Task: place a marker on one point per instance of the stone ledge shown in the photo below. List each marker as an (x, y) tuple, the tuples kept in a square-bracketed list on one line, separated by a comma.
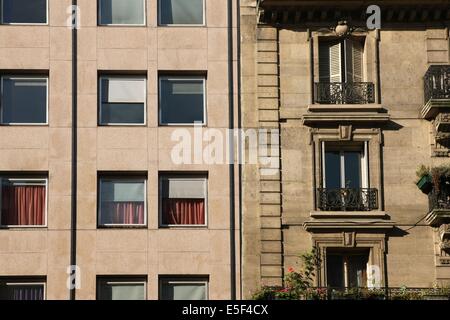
[(433, 107), (339, 117), (345, 107), (349, 224), (348, 214), (437, 217)]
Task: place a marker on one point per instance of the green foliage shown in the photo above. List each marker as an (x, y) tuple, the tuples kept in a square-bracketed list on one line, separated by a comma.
[(439, 175), (422, 171), (298, 284)]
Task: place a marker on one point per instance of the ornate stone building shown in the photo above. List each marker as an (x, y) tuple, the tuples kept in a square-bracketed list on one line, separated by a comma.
[(358, 111)]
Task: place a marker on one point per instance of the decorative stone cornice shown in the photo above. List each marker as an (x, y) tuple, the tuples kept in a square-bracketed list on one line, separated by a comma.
[(312, 12)]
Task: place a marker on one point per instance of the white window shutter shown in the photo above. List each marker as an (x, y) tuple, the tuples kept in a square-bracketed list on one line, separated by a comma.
[(354, 60), (358, 53), (126, 90), (336, 62), (184, 188)]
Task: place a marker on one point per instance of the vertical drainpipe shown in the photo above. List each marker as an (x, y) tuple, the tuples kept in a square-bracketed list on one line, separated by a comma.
[(73, 221), (231, 152), (240, 146)]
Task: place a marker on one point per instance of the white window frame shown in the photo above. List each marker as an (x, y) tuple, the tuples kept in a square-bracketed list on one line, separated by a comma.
[(119, 282), (27, 77), (46, 202), (160, 24), (103, 77), (100, 24), (364, 162), (175, 78), (99, 211), (160, 198), (183, 280), (22, 23), (44, 284)]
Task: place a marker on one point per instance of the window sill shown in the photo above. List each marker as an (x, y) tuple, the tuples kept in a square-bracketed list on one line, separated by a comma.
[(345, 107), (183, 227), (103, 227), (22, 228), (348, 214)]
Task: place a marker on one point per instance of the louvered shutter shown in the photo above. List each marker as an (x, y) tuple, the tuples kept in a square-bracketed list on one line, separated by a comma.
[(353, 61), (335, 62), (330, 66), (357, 61)]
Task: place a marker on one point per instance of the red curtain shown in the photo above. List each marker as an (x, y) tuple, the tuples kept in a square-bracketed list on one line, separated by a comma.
[(124, 212), (184, 211), (23, 205)]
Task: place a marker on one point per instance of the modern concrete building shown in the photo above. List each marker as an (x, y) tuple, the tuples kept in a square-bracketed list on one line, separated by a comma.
[(106, 103), (358, 108)]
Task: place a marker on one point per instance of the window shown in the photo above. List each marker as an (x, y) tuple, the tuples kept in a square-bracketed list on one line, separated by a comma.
[(341, 61), (345, 178), (183, 200), (23, 100), (345, 166), (120, 12), (23, 11), (23, 202), (182, 100), (347, 269), (122, 100), (22, 289), (183, 289), (181, 12), (126, 288), (122, 201)]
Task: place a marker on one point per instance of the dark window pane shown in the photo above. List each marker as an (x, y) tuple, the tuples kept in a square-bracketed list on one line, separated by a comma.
[(24, 100), (22, 292), (24, 11), (333, 169), (335, 271), (182, 101), (126, 113), (352, 170), (357, 270), (181, 11), (122, 12)]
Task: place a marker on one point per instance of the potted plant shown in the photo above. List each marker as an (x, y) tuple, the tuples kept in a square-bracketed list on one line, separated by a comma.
[(425, 182)]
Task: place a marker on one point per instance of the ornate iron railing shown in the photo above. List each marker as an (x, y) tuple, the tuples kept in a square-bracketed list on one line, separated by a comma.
[(437, 82), (347, 199), (328, 293), (439, 199), (344, 93)]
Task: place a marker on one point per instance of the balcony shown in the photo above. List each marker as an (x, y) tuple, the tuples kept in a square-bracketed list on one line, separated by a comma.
[(344, 93), (436, 90), (347, 199), (439, 207)]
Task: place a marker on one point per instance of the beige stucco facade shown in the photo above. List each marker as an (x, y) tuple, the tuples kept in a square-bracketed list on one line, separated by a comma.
[(146, 50), (280, 64)]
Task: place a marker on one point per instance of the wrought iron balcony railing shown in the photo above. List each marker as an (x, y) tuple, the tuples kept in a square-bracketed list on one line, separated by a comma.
[(344, 92), (437, 83), (382, 293), (347, 199), (439, 200)]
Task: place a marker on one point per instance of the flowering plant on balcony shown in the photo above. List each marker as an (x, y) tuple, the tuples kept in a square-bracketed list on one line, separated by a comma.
[(298, 284)]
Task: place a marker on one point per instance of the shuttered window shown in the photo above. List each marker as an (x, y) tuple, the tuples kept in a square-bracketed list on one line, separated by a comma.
[(341, 61)]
